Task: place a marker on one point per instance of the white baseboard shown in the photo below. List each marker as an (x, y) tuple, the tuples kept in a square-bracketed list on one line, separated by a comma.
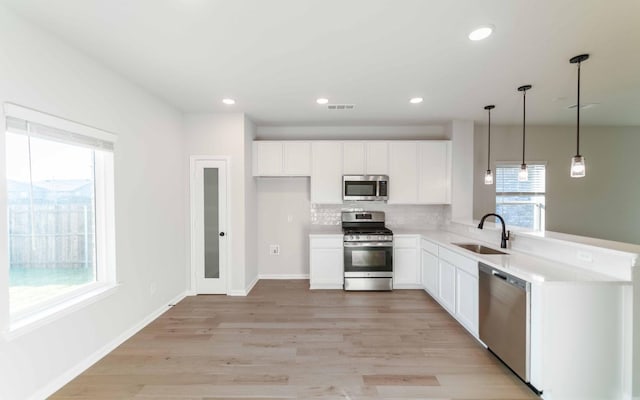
[(252, 284), (79, 368), (284, 276), (245, 291), (408, 286), (325, 286)]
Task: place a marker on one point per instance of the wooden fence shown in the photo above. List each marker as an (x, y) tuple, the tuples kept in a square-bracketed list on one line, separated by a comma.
[(51, 235)]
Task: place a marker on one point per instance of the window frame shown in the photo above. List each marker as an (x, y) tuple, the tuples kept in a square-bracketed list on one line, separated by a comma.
[(105, 282), (542, 208)]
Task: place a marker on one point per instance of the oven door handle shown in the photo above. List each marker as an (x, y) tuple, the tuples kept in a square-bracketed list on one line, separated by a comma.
[(368, 244)]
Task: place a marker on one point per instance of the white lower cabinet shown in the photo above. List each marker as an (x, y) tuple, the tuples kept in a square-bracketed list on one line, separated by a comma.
[(452, 280), (465, 304), (326, 262), (467, 300), (447, 285), (406, 262), (429, 261)]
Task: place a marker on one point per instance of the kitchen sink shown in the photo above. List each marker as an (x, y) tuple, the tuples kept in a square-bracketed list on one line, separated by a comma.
[(478, 248)]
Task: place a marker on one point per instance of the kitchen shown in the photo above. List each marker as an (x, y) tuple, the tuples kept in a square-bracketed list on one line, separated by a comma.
[(156, 270)]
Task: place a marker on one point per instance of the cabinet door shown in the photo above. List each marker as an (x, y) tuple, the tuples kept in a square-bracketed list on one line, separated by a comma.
[(377, 158), (447, 286), (434, 172), (268, 158), (430, 273), (326, 270), (297, 158), (326, 172), (467, 300), (353, 160), (406, 271), (403, 172)]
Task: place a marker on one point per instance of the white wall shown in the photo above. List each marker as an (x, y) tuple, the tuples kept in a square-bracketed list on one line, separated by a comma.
[(462, 170), (283, 219), (250, 206), (40, 72), (355, 132), (603, 204), (224, 135)]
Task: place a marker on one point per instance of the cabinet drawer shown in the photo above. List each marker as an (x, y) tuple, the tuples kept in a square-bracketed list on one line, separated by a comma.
[(409, 241), (329, 242), (466, 264), (429, 246)]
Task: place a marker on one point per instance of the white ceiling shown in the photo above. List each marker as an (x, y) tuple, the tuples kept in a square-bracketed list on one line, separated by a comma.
[(275, 57)]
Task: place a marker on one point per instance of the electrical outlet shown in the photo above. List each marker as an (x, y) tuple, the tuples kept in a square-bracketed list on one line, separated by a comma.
[(274, 250)]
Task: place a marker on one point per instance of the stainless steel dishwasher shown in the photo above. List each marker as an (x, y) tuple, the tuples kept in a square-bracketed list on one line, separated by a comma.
[(504, 318)]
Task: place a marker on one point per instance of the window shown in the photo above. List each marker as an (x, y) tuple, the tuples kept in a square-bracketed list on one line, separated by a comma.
[(59, 177), (521, 203)]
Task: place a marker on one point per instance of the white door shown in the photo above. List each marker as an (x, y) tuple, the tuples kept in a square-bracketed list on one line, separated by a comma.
[(209, 219)]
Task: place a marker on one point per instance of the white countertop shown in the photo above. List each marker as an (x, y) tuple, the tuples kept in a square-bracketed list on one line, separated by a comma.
[(325, 230), (524, 266)]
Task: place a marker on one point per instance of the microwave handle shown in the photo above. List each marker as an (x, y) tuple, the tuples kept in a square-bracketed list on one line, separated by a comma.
[(379, 184)]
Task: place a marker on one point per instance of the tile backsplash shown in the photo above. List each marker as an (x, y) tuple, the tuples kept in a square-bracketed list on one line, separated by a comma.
[(397, 216)]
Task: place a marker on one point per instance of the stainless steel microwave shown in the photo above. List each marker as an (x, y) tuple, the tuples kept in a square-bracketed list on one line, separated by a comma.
[(365, 187)]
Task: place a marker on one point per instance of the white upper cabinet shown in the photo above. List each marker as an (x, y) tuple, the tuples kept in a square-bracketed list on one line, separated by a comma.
[(434, 171), (281, 158), (297, 158), (377, 156), (326, 172), (420, 172), (354, 158), (403, 172), (267, 158), (366, 158)]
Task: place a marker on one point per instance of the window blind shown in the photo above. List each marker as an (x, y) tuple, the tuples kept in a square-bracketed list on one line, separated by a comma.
[(507, 180), (29, 122)]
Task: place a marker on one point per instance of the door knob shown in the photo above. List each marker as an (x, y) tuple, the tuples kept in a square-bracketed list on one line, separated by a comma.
[(221, 233)]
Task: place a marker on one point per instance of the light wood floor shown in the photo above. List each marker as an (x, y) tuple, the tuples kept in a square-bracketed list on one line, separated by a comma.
[(284, 341)]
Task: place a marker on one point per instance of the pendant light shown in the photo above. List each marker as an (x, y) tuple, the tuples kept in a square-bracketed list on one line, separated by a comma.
[(523, 174), (488, 176), (578, 167)]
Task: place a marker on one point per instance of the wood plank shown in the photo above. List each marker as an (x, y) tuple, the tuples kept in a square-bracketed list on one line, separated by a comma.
[(286, 342), (401, 380)]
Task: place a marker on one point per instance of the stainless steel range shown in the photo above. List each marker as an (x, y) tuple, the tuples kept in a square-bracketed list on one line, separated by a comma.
[(368, 251)]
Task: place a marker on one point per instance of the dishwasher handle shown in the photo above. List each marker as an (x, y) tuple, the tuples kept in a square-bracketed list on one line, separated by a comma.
[(507, 278), (498, 275)]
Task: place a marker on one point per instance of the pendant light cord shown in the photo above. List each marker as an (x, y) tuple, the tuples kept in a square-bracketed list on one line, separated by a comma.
[(489, 144), (524, 117), (578, 115)]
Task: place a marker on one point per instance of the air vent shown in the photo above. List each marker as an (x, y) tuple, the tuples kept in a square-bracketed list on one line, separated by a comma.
[(583, 106), (341, 106)]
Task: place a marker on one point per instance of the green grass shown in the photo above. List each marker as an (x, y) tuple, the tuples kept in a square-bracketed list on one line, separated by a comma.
[(50, 276)]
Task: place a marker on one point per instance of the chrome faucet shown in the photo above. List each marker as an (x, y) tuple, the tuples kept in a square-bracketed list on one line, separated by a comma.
[(505, 233)]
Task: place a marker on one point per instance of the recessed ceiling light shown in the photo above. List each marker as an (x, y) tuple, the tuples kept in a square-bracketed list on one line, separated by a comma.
[(229, 102), (480, 33), (322, 100), (416, 100)]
